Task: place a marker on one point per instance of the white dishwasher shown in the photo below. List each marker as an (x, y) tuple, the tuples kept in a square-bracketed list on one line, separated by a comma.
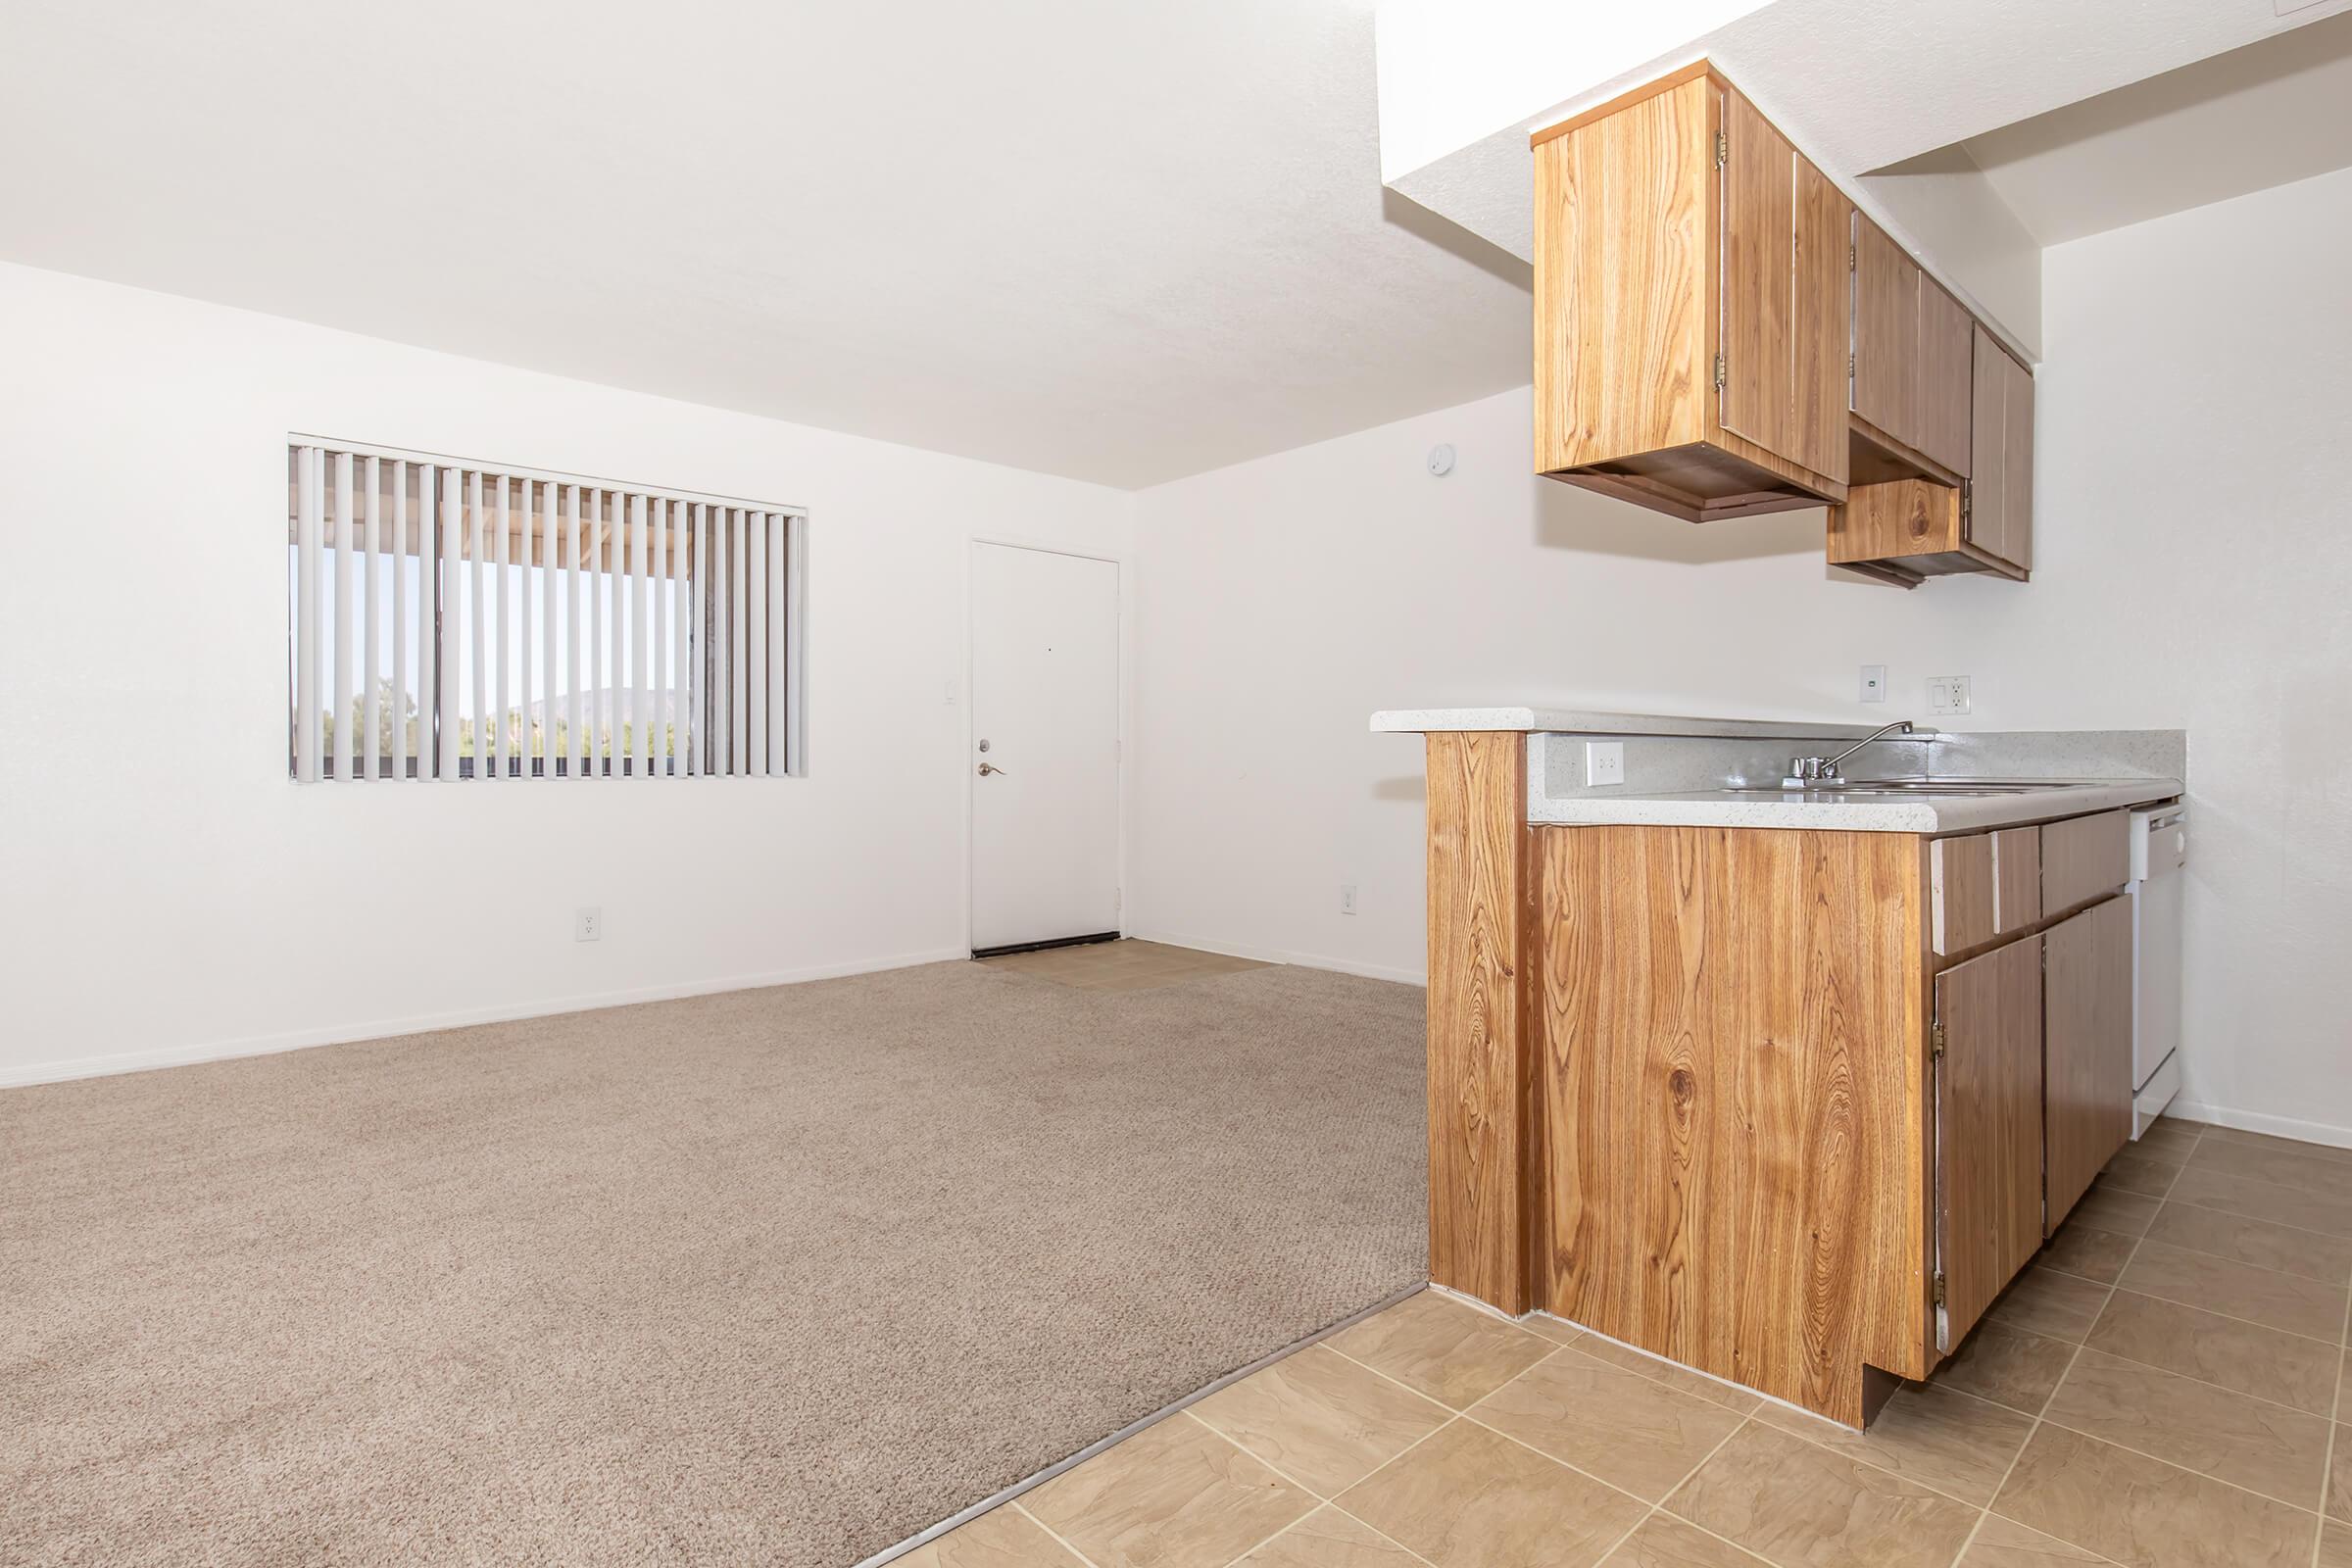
[(2159, 874)]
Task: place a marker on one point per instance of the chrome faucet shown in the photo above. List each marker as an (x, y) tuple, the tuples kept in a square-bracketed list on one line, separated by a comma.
[(1804, 773)]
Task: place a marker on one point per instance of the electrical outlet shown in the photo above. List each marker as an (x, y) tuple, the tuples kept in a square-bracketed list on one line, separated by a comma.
[(1347, 898), (1874, 684), (1947, 693), (1604, 762), (588, 925)]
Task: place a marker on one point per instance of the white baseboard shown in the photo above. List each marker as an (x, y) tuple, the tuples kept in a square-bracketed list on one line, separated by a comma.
[(47, 1072), (2255, 1121), (1265, 955)]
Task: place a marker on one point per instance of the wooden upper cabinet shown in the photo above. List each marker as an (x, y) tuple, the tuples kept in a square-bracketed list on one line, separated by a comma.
[(1989, 1085), (2086, 979), (2000, 513), (1947, 371), (1689, 317), (1885, 333)]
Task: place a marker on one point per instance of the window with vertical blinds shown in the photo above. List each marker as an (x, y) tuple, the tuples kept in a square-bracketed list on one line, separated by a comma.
[(461, 621)]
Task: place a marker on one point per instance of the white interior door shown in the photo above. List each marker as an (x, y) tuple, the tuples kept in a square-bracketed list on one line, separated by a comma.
[(1046, 745)]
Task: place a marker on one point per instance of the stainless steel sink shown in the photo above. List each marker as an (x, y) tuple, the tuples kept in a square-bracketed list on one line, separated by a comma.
[(1909, 786)]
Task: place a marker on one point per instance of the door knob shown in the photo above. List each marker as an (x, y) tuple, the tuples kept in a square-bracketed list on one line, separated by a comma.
[(987, 768)]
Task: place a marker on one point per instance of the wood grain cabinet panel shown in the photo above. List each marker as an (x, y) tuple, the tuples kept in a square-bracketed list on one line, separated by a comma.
[(2087, 980), (2084, 858), (1759, 229), (1886, 281), (1947, 376), (1732, 1059), (1999, 515), (1478, 1083), (1689, 306), (1961, 894), (2016, 878), (1989, 1127)]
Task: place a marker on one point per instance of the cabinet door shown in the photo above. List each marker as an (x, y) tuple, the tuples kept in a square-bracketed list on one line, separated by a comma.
[(1947, 376), (1988, 435), (2087, 988), (1885, 388), (2017, 463), (1987, 1128), (1759, 226), (1783, 297)]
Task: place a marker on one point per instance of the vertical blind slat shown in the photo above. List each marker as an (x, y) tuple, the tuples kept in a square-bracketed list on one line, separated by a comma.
[(681, 678), (663, 705), (596, 632), (400, 619), (527, 634), (720, 678), (479, 603), (776, 625), (640, 703), (451, 659), (500, 641), (339, 699), (306, 615), (574, 626), (371, 583), (428, 627), (756, 644), (547, 629), (739, 740)]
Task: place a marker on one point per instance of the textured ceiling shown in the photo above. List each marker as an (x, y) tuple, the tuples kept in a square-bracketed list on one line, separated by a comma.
[(1122, 242), (2273, 112)]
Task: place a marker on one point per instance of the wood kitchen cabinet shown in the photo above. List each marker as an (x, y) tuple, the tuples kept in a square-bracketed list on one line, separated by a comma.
[(1787, 1106), (1909, 529), (2087, 983), (1911, 368), (1690, 306), (1987, 1046)]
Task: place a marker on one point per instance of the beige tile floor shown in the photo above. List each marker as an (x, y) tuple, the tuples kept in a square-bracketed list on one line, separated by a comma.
[(2160, 1390), (1122, 965)]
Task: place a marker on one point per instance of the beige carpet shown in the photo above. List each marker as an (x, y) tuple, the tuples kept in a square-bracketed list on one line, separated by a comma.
[(776, 1276)]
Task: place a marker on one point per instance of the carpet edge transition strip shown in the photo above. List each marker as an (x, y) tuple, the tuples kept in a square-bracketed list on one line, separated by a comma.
[(1031, 1483)]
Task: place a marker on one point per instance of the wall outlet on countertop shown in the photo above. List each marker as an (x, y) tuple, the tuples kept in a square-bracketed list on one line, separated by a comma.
[(1947, 693)]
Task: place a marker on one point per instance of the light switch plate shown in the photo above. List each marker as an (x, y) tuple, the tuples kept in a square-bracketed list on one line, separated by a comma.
[(1604, 762), (1947, 693)]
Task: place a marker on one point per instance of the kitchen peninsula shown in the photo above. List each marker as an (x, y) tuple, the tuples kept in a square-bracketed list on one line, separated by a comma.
[(1784, 1083)]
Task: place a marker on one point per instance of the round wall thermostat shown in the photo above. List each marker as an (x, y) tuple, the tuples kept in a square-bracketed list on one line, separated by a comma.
[(1441, 460)]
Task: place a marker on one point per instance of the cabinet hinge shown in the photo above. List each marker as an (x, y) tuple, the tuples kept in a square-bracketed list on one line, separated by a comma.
[(1849, 366), (1719, 373), (1936, 1040), (1939, 1287), (1853, 260), (1967, 502), (1723, 148)]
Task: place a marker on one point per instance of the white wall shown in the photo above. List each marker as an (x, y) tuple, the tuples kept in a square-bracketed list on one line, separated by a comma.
[(167, 894), (2192, 570)]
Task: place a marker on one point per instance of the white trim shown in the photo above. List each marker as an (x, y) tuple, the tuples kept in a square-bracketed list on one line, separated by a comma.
[(49, 1072), (2255, 1121), (1304, 960), (1126, 672)]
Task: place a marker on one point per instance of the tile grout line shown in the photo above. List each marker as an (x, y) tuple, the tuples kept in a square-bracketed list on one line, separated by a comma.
[(1659, 1506), (1015, 1505), (2335, 1414), (2200, 1252), (2208, 1382), (1333, 1502)]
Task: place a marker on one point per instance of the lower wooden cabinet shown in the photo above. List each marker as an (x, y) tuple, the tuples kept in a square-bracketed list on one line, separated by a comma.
[(1987, 1047), (2086, 1050), (1747, 1098)]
